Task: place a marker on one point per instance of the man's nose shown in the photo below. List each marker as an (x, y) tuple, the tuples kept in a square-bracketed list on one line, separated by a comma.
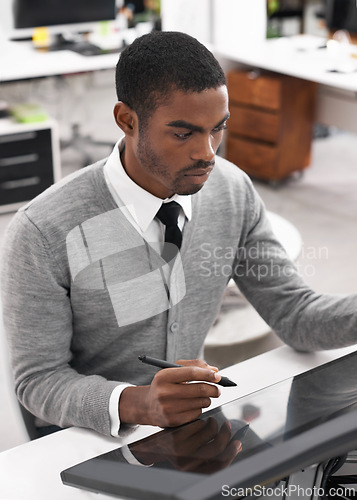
[(204, 149)]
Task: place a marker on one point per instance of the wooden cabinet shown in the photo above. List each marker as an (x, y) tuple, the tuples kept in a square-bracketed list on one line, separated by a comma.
[(271, 124), (29, 161)]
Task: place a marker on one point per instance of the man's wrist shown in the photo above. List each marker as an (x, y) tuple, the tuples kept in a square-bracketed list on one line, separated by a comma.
[(132, 405)]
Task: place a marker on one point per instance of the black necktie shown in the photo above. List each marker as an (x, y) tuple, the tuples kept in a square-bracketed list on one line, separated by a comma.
[(168, 215)]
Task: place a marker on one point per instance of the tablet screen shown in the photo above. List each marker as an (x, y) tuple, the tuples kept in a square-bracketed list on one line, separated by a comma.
[(246, 426)]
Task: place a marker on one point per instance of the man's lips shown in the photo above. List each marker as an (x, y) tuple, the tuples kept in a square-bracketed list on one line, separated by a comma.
[(199, 172), (198, 176)]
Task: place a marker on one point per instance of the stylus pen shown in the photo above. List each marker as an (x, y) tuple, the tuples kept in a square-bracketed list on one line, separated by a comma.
[(161, 363)]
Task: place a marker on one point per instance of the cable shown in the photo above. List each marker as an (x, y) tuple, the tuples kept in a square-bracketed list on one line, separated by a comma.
[(332, 466)]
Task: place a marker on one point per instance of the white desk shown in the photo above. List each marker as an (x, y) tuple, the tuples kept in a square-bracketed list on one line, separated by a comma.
[(20, 61), (295, 56), (32, 471), (300, 56)]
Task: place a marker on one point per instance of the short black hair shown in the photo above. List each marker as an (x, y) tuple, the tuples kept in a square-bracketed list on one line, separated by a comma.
[(157, 63)]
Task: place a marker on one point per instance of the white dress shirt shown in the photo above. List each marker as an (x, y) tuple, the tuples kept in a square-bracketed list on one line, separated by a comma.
[(140, 208)]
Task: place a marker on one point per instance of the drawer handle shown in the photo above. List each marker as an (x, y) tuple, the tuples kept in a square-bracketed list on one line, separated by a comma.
[(18, 137), (18, 160), (20, 183)]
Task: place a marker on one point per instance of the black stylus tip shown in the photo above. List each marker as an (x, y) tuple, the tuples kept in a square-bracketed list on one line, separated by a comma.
[(226, 382), (141, 357)]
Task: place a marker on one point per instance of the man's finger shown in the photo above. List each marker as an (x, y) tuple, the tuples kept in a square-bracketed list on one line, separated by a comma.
[(187, 374), (196, 362)]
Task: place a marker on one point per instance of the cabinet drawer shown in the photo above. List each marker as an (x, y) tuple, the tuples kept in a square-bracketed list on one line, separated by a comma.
[(23, 143), (24, 189), (260, 160), (255, 124), (26, 165), (261, 91)]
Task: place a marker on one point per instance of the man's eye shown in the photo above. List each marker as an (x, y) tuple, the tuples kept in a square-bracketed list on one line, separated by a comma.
[(186, 135), (219, 129)]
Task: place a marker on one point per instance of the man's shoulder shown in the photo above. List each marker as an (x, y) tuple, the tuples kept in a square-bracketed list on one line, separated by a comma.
[(67, 201), (65, 186)]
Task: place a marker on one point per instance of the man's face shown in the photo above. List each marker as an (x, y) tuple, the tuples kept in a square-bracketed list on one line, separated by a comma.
[(175, 151)]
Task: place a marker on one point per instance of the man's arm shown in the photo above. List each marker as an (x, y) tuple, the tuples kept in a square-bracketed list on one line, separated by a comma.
[(269, 280), (38, 322)]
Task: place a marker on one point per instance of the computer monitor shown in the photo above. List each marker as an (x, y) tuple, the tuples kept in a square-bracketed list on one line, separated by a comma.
[(59, 16), (341, 15)]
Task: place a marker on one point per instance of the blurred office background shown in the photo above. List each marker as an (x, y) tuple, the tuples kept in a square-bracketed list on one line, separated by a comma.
[(319, 203)]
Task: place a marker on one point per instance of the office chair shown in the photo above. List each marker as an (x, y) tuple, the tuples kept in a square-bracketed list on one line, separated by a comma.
[(29, 421), (73, 89), (81, 143)]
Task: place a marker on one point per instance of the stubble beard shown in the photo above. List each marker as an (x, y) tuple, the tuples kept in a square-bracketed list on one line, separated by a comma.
[(151, 163)]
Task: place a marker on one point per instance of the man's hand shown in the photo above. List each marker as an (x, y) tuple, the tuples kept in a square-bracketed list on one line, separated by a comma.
[(170, 400), (200, 446)]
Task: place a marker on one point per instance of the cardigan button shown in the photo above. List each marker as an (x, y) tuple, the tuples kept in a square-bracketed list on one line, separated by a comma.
[(174, 327)]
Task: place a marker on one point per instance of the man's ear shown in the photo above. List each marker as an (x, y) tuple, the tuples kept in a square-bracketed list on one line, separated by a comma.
[(125, 118)]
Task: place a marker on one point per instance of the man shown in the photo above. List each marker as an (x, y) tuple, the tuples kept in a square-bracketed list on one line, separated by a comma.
[(88, 286)]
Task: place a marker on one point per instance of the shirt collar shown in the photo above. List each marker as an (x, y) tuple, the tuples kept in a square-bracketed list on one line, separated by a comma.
[(142, 205)]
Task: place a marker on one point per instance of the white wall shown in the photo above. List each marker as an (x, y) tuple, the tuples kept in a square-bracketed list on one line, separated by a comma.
[(5, 16), (221, 22), (190, 16), (238, 22)]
